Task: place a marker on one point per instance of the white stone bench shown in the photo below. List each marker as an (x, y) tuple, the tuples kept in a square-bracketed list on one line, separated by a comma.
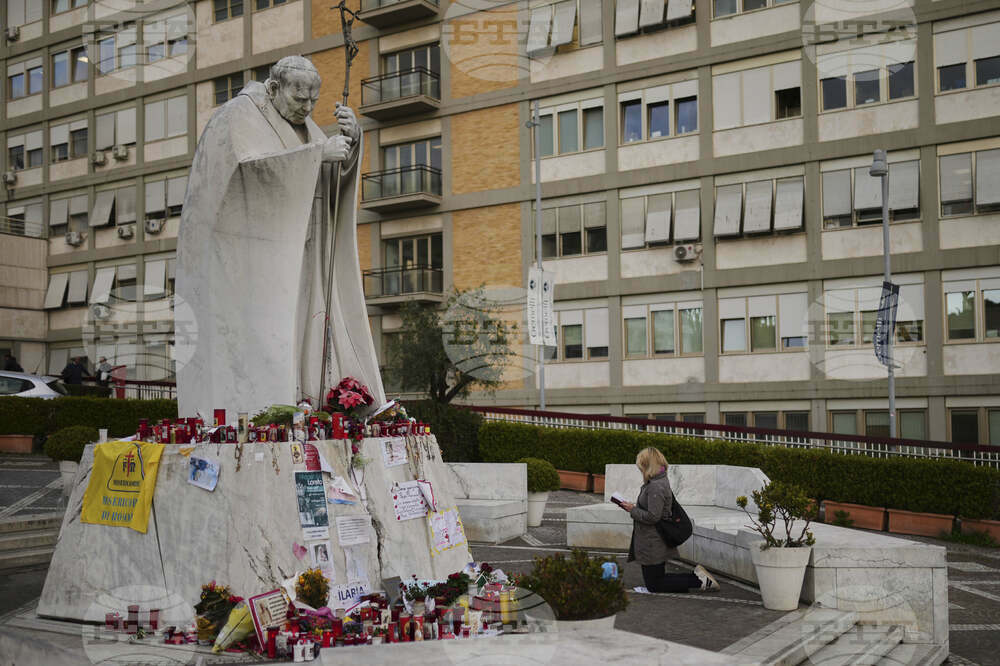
[(492, 499), (886, 579)]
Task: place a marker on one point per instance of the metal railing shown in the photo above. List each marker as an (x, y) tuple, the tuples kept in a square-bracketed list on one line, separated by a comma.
[(874, 447), (397, 280), (369, 5), (16, 227), (399, 85), (415, 179), (140, 389)]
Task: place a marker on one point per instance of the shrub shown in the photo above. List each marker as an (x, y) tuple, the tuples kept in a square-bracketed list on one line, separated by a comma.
[(783, 503), (34, 416), (542, 476), (457, 430), (88, 390), (68, 443), (911, 484), (575, 586)]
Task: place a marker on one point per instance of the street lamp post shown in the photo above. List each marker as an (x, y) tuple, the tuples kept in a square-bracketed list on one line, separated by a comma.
[(880, 169), (534, 124)]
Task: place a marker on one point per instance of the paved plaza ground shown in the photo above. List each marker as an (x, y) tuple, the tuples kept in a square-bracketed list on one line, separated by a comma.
[(714, 621)]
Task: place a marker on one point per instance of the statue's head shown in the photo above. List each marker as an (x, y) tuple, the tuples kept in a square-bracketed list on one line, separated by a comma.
[(293, 87)]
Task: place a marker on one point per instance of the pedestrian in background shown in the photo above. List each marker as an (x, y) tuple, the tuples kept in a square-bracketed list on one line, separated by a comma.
[(653, 504), (103, 371), (10, 364), (73, 372)]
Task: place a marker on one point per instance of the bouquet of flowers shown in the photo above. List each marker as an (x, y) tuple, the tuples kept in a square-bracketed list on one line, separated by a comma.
[(350, 397), (312, 588), (213, 609)]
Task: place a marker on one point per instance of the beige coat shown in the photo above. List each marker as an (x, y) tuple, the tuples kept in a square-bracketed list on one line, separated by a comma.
[(647, 545)]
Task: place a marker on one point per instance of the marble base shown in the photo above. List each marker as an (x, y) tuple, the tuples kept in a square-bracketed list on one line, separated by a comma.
[(242, 534), (492, 499)]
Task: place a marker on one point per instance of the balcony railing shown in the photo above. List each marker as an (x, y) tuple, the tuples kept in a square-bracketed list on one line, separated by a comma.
[(405, 187), (398, 281), (16, 227), (399, 85), (387, 13)]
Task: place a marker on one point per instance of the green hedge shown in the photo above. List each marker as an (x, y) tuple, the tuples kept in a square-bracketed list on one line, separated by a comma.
[(934, 486), (88, 390), (34, 416), (457, 430), (68, 443)]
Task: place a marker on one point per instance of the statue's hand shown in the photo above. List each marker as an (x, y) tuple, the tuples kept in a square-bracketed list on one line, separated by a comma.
[(337, 148), (348, 121)]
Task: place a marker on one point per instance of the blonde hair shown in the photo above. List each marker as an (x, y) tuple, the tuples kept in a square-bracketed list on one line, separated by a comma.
[(651, 462)]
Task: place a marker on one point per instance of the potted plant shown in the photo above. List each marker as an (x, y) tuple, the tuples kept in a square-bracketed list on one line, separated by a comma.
[(575, 589), (542, 478), (865, 517), (780, 560), (67, 446)]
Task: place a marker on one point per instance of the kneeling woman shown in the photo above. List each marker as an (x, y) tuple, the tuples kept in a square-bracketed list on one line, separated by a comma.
[(655, 501)]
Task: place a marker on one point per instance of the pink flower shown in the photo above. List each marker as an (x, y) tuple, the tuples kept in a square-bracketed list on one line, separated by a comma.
[(350, 399)]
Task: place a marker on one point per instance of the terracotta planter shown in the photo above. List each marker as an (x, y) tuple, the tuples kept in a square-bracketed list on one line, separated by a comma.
[(15, 443), (991, 527), (865, 517), (574, 480), (598, 483), (922, 524)]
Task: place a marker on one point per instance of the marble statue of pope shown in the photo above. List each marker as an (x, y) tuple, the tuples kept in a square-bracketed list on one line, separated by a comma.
[(253, 253)]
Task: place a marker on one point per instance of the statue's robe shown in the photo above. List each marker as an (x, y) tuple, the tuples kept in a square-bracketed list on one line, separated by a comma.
[(251, 266)]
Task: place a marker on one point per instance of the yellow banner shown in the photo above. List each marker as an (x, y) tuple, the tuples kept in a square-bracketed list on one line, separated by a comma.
[(120, 492)]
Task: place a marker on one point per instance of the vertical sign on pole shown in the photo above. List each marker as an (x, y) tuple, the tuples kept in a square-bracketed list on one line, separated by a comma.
[(534, 310), (885, 323), (548, 305)]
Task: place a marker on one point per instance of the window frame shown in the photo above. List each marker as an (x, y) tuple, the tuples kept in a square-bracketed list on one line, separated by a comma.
[(229, 80), (779, 346), (650, 331), (217, 6), (884, 90), (583, 230), (858, 322), (895, 216), (969, 67), (978, 315), (552, 113), (672, 102), (976, 209), (740, 11)]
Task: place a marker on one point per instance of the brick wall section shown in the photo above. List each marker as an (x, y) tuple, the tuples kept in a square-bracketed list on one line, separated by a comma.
[(485, 153), (483, 51), (487, 246), (365, 246), (331, 69), (326, 21)]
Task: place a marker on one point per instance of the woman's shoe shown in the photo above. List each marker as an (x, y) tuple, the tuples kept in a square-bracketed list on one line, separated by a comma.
[(708, 582)]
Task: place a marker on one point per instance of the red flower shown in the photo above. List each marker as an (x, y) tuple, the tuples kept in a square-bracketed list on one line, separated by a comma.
[(350, 399)]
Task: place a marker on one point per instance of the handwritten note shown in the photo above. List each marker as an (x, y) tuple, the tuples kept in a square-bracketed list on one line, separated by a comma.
[(408, 501), (394, 451), (352, 530), (446, 530)]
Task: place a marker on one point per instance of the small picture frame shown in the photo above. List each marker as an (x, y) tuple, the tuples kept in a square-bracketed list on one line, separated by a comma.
[(267, 610)]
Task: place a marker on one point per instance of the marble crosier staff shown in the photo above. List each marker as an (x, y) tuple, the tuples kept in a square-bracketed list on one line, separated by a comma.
[(259, 232)]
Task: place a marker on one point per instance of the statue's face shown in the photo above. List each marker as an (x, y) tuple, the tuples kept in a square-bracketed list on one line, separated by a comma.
[(295, 97)]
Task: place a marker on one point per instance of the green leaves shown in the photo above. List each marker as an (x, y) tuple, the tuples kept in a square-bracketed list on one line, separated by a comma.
[(542, 476), (575, 586)]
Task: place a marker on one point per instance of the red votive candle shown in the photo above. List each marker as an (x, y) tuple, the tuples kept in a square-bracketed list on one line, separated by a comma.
[(272, 647), (154, 618), (220, 417)]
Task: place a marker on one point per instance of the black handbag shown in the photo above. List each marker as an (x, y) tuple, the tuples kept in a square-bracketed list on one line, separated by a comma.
[(676, 528)]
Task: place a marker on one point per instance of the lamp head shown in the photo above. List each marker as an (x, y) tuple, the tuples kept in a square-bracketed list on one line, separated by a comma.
[(880, 166)]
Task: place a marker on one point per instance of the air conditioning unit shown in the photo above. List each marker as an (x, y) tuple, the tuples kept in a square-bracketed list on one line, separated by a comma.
[(126, 231), (121, 153), (9, 178), (100, 311), (685, 253), (75, 238), (99, 158), (154, 226), (13, 33)]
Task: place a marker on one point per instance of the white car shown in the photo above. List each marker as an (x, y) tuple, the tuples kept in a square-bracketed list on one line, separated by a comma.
[(31, 386)]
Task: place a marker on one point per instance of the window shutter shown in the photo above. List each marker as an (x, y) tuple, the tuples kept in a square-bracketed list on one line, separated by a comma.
[(126, 126), (15, 14), (176, 189), (950, 48), (538, 31), (650, 13), (904, 182), (756, 96), (177, 116), (839, 300), (155, 196), (626, 17), (596, 327), (867, 190), (155, 120), (56, 291), (594, 216), (563, 22), (728, 210), (125, 205), (956, 177), (58, 212), (590, 22), (33, 140), (77, 288), (787, 75), (156, 273), (105, 131), (687, 219), (726, 100), (78, 205), (679, 9), (836, 193), (32, 11), (732, 308), (658, 218), (988, 177), (103, 279), (762, 306), (793, 315), (758, 216), (985, 41), (911, 303), (633, 222), (102, 208), (59, 134), (788, 204)]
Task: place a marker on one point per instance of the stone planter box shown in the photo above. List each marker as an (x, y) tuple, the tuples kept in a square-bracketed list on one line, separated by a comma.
[(598, 483), (922, 524), (865, 517), (574, 480), (991, 527), (16, 443)]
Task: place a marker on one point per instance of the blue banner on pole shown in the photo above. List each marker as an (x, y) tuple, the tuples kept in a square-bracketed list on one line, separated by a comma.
[(885, 324)]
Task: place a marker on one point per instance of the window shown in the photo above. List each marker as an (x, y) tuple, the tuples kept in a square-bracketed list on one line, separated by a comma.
[(770, 320), (572, 341), (770, 205), (562, 131), (117, 50), (583, 334), (726, 7), (573, 230), (60, 69), (226, 9), (965, 426), (165, 37), (871, 74), (60, 6), (691, 330), (844, 423), (15, 86), (68, 140), (405, 160), (15, 157), (852, 197), (901, 81), (78, 142), (25, 151), (165, 198), (646, 221), (555, 25), (834, 92), (651, 330), (106, 55), (659, 112), (636, 16), (972, 310), (912, 424), (261, 73), (115, 128), (866, 87), (750, 96), (227, 87), (71, 211), (968, 57), (993, 423), (876, 424), (166, 118), (265, 4), (970, 183), (25, 78), (419, 260), (413, 67), (787, 103), (853, 310), (797, 421), (738, 419)]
